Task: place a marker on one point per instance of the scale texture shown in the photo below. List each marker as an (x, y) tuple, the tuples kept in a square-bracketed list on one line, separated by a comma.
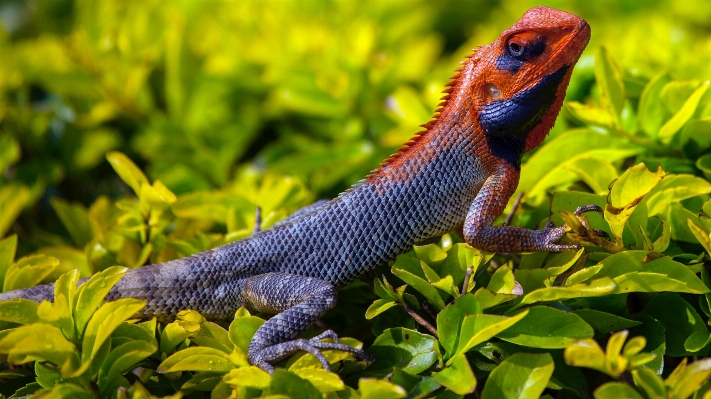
[(461, 169)]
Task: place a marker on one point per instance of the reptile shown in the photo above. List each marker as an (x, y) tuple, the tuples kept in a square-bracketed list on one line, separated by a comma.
[(460, 170)]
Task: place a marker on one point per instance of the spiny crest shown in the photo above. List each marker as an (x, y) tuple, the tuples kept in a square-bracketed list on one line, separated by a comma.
[(450, 87)]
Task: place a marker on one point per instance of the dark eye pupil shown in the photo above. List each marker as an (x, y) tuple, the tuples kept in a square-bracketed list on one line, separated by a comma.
[(516, 49)]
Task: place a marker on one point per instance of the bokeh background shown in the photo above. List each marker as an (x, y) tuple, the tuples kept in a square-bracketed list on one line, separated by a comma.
[(200, 94)]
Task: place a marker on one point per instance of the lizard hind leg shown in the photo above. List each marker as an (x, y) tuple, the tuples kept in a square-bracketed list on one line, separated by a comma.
[(299, 301)]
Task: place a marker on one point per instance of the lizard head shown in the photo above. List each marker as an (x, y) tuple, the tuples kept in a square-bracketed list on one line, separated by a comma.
[(517, 83)]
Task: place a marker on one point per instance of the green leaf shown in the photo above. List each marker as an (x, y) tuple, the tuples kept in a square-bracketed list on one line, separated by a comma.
[(175, 333), (90, 295), (75, 219), (214, 336), (459, 257), (37, 342), (371, 388), (197, 358), (62, 391), (627, 192), (586, 353), (616, 390), (47, 376), (680, 321), (545, 168), (704, 165), (432, 254), (649, 382), (521, 376), (609, 79), (582, 275), (7, 256), (324, 381), (547, 328), (591, 115), (653, 331), (651, 109), (20, 311), (127, 171), (378, 307), (488, 299), (630, 274), (669, 130), (479, 328), (205, 381), (104, 321), (419, 284), (406, 349), (121, 360), (450, 319), (29, 271), (598, 287), (242, 330), (503, 281), (249, 376), (595, 172), (289, 384), (697, 341), (13, 198), (605, 323), (458, 376), (693, 135), (691, 379), (9, 151), (673, 189)]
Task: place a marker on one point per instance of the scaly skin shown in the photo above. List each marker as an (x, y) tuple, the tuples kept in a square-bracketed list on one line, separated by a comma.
[(461, 169)]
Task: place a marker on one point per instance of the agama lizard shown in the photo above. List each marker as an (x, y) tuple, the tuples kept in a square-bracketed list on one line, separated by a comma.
[(462, 168)]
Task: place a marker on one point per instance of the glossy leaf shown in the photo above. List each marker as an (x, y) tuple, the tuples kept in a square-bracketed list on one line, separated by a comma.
[(605, 323), (547, 328), (679, 319), (91, 294), (668, 131), (479, 328), (450, 319), (406, 349), (197, 359), (522, 375), (616, 390), (289, 384), (379, 389), (457, 376)]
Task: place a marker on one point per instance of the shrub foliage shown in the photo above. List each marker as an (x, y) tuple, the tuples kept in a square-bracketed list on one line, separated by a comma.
[(626, 317)]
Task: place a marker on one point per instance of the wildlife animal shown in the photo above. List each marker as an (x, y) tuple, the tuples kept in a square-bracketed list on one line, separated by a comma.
[(461, 169)]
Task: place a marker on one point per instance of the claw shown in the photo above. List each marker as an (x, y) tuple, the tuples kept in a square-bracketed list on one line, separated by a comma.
[(275, 353)]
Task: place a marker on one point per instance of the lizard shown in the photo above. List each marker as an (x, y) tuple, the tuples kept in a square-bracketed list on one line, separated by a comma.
[(460, 170)]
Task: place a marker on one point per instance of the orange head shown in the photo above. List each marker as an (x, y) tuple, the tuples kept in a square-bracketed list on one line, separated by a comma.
[(517, 84)]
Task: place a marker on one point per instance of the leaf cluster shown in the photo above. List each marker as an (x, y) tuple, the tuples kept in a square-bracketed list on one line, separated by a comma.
[(445, 320)]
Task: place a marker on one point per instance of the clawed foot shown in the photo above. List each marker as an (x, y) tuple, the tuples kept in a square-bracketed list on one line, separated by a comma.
[(581, 231), (264, 358)]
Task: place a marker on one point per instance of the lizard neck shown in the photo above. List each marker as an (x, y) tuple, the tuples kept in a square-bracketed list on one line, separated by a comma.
[(454, 127)]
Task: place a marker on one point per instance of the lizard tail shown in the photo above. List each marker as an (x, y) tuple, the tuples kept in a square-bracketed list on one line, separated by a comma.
[(37, 294)]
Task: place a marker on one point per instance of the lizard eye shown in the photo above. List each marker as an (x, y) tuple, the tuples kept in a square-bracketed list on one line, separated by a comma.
[(515, 49), (525, 46)]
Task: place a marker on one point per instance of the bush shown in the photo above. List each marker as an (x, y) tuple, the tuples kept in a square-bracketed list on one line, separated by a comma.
[(218, 102)]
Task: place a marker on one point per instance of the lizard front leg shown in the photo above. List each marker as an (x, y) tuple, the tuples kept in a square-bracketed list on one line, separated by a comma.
[(490, 203), (299, 301)]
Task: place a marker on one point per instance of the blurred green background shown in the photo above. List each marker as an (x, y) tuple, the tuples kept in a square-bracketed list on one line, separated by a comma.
[(197, 93)]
